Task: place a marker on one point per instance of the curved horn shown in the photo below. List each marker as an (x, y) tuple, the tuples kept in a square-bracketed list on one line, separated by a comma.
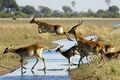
[(61, 46), (74, 27), (34, 17), (80, 22)]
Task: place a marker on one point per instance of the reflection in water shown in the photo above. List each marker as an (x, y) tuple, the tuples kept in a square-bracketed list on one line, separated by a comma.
[(56, 69), (35, 77), (56, 64)]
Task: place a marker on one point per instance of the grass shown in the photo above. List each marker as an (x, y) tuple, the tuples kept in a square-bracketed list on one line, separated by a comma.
[(21, 33), (109, 71)]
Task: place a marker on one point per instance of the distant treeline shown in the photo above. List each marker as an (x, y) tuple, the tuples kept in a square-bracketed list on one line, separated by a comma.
[(10, 9)]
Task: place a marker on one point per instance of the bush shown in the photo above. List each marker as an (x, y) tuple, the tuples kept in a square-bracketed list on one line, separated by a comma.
[(20, 14), (9, 15), (5, 15)]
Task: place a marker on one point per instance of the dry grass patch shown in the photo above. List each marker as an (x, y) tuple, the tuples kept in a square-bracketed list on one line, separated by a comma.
[(109, 71)]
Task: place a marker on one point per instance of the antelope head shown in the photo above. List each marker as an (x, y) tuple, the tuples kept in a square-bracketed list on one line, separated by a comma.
[(33, 20), (59, 48), (7, 50), (72, 31), (118, 52)]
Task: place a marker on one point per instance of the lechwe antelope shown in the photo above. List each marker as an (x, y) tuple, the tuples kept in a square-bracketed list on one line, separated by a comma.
[(68, 53), (107, 47), (71, 52), (112, 55), (28, 51), (87, 45), (45, 27)]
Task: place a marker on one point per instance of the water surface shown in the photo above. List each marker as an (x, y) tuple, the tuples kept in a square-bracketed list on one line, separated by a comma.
[(57, 66)]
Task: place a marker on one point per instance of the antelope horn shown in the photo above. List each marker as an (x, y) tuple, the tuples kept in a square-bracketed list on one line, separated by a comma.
[(34, 17), (61, 46), (80, 22)]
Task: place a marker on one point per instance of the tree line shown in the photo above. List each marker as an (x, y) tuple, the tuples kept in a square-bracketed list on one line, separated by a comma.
[(9, 8)]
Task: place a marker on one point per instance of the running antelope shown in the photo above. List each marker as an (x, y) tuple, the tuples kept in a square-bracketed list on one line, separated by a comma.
[(45, 27), (112, 55), (107, 47), (71, 52), (87, 45), (28, 51), (68, 53)]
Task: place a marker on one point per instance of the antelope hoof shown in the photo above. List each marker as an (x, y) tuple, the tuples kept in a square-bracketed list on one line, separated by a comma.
[(78, 65), (44, 69), (68, 69), (32, 68), (24, 67), (100, 66), (70, 39), (23, 73), (40, 32), (32, 72), (71, 64), (49, 50), (88, 63)]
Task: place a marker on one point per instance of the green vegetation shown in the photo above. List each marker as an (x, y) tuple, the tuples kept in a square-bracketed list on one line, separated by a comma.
[(13, 10)]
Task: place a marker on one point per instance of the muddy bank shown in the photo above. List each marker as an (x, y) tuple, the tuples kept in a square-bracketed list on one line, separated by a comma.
[(5, 70), (84, 72), (109, 71), (11, 68)]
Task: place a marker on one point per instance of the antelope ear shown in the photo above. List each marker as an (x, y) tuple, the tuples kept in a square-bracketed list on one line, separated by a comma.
[(75, 44), (62, 46), (9, 46), (118, 52), (34, 17)]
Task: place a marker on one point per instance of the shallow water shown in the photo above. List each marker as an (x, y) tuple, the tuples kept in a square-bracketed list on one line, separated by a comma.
[(56, 64), (116, 24), (56, 69)]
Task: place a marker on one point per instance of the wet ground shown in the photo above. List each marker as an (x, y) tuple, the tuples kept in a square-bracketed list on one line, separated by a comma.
[(56, 64)]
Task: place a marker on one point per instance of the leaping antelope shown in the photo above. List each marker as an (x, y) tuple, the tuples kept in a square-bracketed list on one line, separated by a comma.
[(28, 51), (45, 27), (87, 45)]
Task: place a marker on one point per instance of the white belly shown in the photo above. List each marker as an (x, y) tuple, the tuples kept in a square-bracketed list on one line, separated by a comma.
[(60, 30), (31, 53), (39, 52)]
